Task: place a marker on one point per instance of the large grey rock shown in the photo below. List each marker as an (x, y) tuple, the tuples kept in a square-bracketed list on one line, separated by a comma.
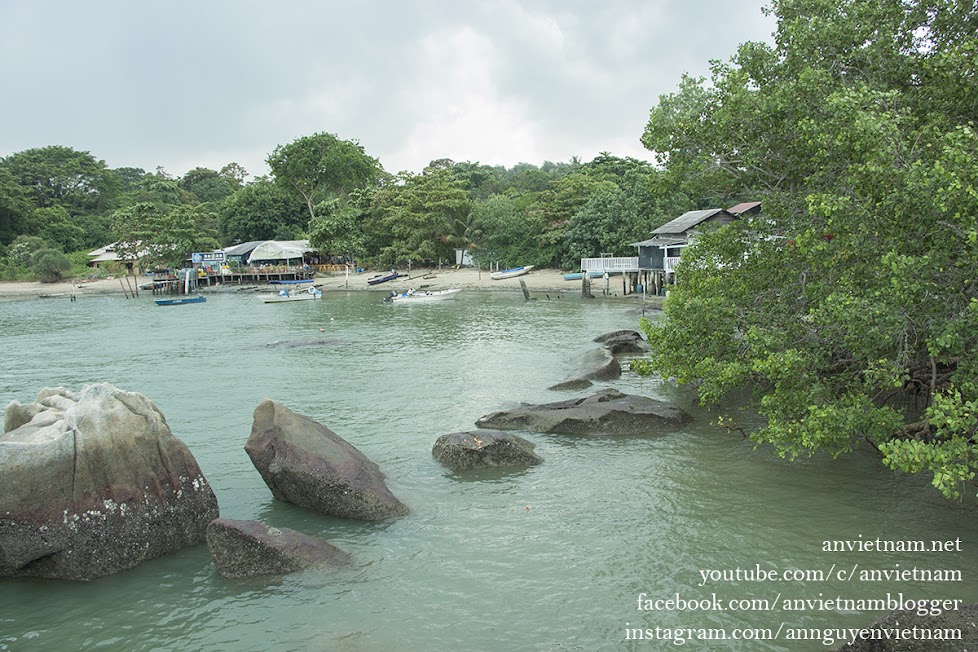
[(624, 342), (481, 449), (930, 630), (596, 364), (306, 463), (249, 548), (93, 482), (609, 412)]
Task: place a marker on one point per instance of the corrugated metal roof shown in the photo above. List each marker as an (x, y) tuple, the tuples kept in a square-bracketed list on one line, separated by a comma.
[(740, 209), (686, 221)]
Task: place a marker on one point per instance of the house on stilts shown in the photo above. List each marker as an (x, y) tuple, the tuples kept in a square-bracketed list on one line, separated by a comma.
[(659, 255)]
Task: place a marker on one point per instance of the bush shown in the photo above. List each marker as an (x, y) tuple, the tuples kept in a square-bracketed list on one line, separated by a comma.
[(49, 265)]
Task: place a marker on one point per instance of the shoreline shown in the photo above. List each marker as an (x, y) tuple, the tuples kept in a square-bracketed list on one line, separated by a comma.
[(537, 281)]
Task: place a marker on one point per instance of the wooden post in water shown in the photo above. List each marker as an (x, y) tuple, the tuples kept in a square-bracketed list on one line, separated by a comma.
[(526, 293), (586, 286)]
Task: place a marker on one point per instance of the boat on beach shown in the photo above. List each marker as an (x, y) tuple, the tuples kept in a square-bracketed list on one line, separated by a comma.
[(511, 272), (422, 297), (179, 302), (383, 278)]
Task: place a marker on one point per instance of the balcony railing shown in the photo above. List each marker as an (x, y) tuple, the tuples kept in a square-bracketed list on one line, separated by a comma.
[(671, 262), (623, 264)]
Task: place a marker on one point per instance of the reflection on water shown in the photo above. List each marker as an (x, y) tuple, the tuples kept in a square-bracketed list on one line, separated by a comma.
[(546, 558)]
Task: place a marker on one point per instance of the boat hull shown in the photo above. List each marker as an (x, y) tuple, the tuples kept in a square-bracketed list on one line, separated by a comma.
[(423, 297), (510, 273), (302, 296), (179, 302), (376, 280)]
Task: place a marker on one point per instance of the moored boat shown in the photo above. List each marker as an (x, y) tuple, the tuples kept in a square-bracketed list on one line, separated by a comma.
[(179, 302), (422, 297), (511, 272), (295, 294), (577, 276)]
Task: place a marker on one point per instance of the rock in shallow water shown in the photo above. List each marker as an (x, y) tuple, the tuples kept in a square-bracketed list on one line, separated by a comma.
[(609, 412), (250, 548), (482, 449), (306, 463), (93, 482)]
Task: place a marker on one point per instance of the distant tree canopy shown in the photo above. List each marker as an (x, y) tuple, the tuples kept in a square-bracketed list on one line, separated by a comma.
[(334, 193), (850, 306), (322, 167)]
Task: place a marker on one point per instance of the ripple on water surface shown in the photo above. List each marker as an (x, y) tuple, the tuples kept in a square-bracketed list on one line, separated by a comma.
[(551, 557)]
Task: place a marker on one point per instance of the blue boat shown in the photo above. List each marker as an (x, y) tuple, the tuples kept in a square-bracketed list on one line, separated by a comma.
[(577, 276), (383, 278), (179, 302)]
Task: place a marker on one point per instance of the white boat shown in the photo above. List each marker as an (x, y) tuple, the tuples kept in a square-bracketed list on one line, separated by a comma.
[(510, 273), (295, 294), (422, 297)]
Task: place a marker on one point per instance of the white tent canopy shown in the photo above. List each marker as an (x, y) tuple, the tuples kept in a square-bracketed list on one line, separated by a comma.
[(281, 250)]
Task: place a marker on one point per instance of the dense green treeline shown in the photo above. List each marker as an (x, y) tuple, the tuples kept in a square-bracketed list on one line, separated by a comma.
[(850, 307), (329, 190)]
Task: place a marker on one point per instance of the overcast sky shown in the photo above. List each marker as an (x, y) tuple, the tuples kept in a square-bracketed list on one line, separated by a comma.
[(206, 82)]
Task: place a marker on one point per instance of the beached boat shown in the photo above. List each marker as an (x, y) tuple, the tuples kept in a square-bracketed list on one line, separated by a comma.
[(511, 272), (285, 295), (383, 278), (422, 297), (179, 302), (577, 276)]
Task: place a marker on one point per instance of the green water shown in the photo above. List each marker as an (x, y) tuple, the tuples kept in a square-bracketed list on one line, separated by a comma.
[(551, 558)]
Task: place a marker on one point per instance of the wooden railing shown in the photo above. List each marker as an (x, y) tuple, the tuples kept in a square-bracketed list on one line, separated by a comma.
[(671, 262), (623, 264)]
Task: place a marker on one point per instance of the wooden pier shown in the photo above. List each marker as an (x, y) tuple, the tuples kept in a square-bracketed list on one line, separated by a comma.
[(177, 284)]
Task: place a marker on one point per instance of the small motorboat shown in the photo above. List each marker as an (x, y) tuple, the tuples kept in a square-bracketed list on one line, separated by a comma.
[(422, 297), (284, 295), (383, 278), (179, 302), (510, 273)]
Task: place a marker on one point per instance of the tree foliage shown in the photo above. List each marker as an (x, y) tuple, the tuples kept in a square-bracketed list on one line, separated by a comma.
[(850, 306), (163, 238), (49, 265), (259, 211), (322, 167)]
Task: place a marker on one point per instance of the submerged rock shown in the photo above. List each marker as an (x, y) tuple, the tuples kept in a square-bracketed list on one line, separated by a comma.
[(596, 364), (930, 630), (306, 463), (481, 449), (249, 548), (624, 342), (93, 482), (609, 412)]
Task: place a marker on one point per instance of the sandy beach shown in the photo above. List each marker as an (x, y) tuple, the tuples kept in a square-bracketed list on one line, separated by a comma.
[(537, 281)]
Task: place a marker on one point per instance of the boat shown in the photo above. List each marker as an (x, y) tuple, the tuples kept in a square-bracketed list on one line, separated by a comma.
[(511, 272), (179, 302), (383, 278), (422, 297), (292, 294), (577, 276)]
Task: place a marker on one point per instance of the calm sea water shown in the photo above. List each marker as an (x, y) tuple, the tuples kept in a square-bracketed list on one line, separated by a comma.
[(551, 558)]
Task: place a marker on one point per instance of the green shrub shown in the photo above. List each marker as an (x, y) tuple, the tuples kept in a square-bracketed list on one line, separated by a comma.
[(49, 265)]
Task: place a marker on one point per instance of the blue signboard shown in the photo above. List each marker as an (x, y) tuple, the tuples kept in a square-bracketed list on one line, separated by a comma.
[(207, 257)]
